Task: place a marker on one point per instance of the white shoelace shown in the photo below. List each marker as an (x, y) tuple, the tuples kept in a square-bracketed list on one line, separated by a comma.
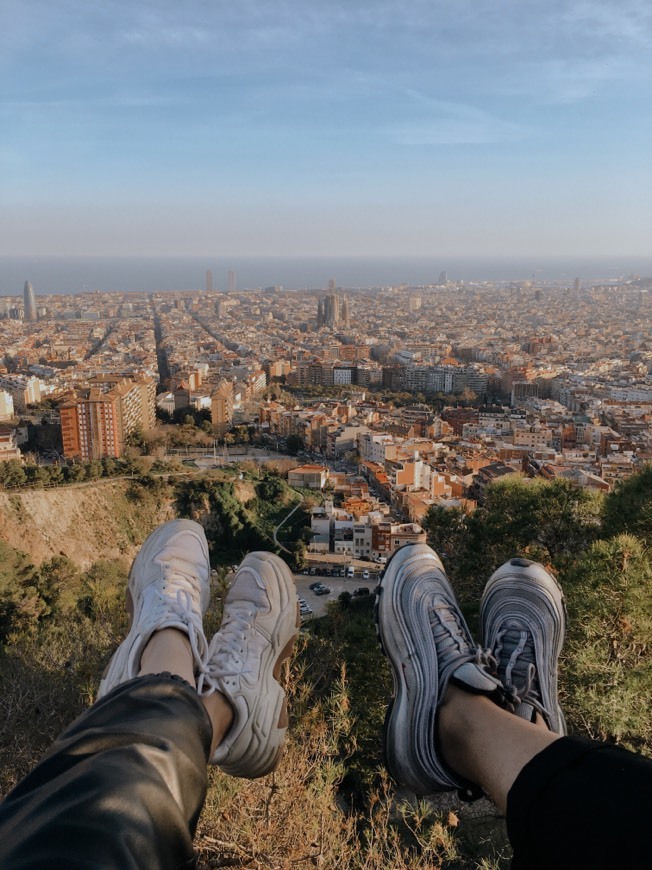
[(227, 653), (182, 606)]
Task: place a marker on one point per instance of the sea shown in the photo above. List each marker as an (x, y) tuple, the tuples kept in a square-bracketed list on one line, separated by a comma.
[(71, 275)]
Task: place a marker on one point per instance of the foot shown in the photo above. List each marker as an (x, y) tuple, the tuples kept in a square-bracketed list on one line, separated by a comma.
[(429, 646), (523, 621), (168, 588), (260, 623)]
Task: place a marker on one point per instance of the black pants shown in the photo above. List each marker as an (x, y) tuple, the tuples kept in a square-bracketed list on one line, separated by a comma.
[(581, 804), (123, 787)]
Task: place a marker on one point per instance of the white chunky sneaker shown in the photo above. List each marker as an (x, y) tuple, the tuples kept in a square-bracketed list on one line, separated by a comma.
[(259, 625), (523, 621), (169, 587), (423, 634)]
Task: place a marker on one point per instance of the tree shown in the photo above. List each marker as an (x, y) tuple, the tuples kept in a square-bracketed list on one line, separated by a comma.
[(240, 434), (541, 519), (547, 521), (74, 473), (294, 444), (11, 473), (448, 531), (36, 474), (136, 438), (272, 489), (629, 507), (607, 661)]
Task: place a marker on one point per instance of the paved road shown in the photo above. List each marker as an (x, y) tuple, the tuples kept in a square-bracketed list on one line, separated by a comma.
[(335, 584)]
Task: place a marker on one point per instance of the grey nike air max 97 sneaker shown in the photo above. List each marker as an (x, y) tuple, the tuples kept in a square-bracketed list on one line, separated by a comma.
[(523, 623), (428, 644)]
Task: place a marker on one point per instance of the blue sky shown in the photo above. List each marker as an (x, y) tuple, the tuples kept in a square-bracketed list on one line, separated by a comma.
[(340, 127)]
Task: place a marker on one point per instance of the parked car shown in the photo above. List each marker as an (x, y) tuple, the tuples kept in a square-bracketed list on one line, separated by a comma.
[(350, 572), (312, 572), (342, 572), (361, 590), (365, 574)]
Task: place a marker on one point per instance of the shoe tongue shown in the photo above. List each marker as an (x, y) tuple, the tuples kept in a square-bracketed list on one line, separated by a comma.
[(475, 677)]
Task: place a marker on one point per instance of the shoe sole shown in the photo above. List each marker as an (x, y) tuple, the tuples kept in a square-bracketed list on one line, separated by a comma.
[(410, 721), (532, 578), (154, 542), (266, 740)]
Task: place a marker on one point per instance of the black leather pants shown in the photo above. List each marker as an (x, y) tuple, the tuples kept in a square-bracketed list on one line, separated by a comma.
[(122, 787)]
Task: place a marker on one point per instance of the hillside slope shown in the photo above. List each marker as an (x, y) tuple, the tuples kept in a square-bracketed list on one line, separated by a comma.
[(85, 522)]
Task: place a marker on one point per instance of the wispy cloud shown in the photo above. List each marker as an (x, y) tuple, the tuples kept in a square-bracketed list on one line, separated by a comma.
[(167, 37), (443, 122)]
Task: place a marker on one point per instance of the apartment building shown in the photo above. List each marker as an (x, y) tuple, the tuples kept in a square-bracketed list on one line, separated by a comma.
[(8, 447), (6, 405), (535, 438), (91, 425), (139, 398), (222, 402), (388, 537), (24, 390), (310, 476), (96, 420)]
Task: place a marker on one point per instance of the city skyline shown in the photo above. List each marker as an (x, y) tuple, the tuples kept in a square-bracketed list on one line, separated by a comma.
[(294, 129)]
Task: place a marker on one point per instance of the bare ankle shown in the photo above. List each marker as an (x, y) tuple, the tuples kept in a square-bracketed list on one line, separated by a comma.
[(459, 717), (220, 712)]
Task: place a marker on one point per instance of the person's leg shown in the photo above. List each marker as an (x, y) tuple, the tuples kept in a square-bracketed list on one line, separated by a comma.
[(485, 744), (170, 650), (570, 803), (581, 805), (123, 786)]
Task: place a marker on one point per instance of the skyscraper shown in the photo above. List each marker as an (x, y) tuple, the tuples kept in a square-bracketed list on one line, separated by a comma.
[(231, 281), (331, 309), (209, 281), (29, 302), (344, 312)]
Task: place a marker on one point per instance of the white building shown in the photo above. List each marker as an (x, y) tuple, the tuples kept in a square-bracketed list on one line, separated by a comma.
[(6, 405)]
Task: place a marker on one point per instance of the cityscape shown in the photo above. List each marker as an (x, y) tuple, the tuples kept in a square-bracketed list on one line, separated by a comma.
[(325, 434), (397, 398)]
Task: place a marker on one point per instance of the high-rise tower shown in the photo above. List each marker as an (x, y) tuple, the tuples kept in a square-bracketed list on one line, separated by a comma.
[(344, 312), (332, 310), (29, 302), (209, 281), (231, 281)]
